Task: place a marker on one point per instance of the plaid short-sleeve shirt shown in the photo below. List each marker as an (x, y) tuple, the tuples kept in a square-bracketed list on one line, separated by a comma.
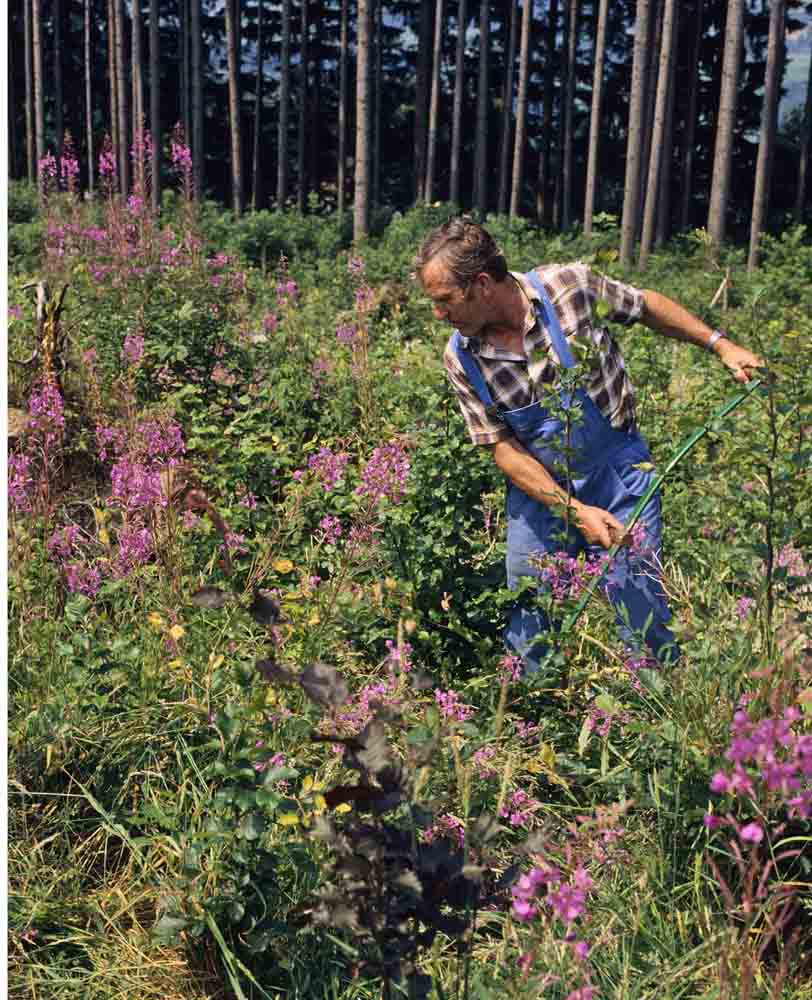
[(573, 289)]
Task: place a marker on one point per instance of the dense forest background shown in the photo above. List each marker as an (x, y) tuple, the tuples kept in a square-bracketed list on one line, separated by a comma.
[(276, 98)]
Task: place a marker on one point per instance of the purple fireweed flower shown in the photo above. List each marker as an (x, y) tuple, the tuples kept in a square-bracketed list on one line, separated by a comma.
[(133, 350), (752, 833), (719, 783), (356, 265), (364, 297), (399, 656), (711, 822), (511, 668), (743, 606), (519, 808), (269, 322), (482, 758), (20, 482), (346, 333), (82, 578), (567, 902), (328, 466), (331, 530), (451, 707), (15, 312), (384, 476), (47, 167), (135, 547), (248, 500), (181, 156), (62, 543), (448, 827), (107, 160)]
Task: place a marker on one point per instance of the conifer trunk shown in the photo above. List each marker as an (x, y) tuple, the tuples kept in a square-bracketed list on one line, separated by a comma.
[(284, 100), (434, 109), (112, 76), (690, 123), (232, 13), (342, 109), (30, 155), (503, 199), (521, 113), (197, 100), (631, 192), (59, 100), (481, 148), (258, 97), (459, 84), (121, 96), (155, 100), (378, 90), (664, 203), (39, 89), (595, 117), (88, 40), (543, 204), (422, 85), (726, 120), (803, 164), (769, 118), (569, 104), (301, 191), (362, 122)]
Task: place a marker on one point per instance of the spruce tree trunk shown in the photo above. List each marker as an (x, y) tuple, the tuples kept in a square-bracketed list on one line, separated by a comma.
[(301, 191), (507, 114), (362, 122), (88, 43), (284, 101), (378, 90), (769, 119), (112, 75), (257, 172), (664, 204), (137, 69), (595, 117), (186, 56), (459, 85), (155, 100), (232, 13), (481, 148), (543, 202), (12, 113), (723, 153), (631, 192), (655, 26), (197, 100), (341, 182), (660, 112), (39, 89), (517, 179), (59, 100), (569, 99), (30, 153), (313, 168), (121, 95), (690, 123), (421, 102), (803, 164), (434, 109)]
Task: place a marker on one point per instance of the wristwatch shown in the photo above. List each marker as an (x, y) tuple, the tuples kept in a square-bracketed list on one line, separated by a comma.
[(714, 337)]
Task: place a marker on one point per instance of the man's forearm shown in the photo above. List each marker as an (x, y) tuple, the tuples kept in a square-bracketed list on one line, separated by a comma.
[(529, 474), (670, 318)]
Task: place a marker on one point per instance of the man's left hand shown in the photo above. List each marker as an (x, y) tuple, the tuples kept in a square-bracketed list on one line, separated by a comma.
[(741, 362)]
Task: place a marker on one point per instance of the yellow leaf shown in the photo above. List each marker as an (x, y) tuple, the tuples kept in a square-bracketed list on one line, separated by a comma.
[(155, 620), (215, 661), (343, 807), (177, 632), (320, 803), (307, 784), (176, 664), (282, 565), (288, 819), (100, 515), (104, 536), (270, 696), (314, 619)]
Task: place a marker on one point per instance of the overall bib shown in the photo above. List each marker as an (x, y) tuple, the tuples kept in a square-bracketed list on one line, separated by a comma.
[(601, 474)]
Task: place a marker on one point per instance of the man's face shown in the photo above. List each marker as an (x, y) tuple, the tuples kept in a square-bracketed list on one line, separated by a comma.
[(463, 309)]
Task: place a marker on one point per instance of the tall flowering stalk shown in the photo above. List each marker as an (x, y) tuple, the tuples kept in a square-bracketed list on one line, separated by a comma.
[(355, 335)]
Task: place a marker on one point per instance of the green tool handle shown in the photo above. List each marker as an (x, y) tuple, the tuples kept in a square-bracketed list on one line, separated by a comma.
[(655, 484)]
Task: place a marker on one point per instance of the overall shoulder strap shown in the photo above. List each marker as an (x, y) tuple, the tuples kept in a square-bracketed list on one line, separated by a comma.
[(472, 369), (549, 317)]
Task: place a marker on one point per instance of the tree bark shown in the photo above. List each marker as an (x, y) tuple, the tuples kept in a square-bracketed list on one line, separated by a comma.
[(507, 113), (378, 91), (342, 109), (155, 100), (121, 94), (595, 117), (301, 191), (543, 203), (655, 26), (569, 99), (521, 113), (690, 123), (258, 97), (284, 100), (664, 202), (30, 154), (197, 100), (769, 118), (13, 164), (422, 99), (315, 100), (481, 148), (734, 32), (803, 164), (137, 56), (112, 62), (660, 111), (39, 94), (434, 109), (88, 41), (59, 100), (362, 117), (631, 192), (232, 13), (459, 85)]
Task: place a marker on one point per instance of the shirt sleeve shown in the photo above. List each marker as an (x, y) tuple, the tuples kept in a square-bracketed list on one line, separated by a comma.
[(625, 301), (482, 428)]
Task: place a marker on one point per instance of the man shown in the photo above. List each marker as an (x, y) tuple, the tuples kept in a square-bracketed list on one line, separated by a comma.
[(574, 454)]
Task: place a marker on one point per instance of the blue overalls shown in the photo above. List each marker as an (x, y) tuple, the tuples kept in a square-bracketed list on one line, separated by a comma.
[(602, 474)]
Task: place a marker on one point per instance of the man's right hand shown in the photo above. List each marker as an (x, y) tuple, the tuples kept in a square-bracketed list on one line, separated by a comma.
[(598, 526)]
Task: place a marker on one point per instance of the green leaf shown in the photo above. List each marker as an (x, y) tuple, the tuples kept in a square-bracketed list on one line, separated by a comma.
[(252, 826)]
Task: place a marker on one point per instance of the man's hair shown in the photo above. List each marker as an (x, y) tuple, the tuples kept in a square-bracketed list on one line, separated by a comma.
[(467, 250)]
